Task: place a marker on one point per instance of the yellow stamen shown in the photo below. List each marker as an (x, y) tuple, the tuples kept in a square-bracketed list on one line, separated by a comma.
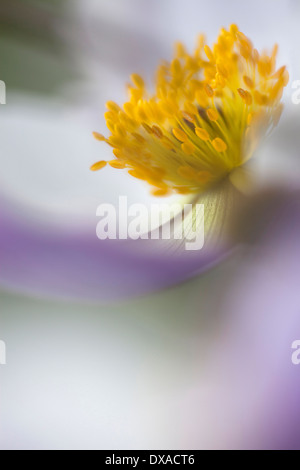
[(219, 145), (157, 131), (188, 148), (209, 53), (98, 166), (209, 90), (180, 135), (160, 192), (202, 133), (212, 114), (246, 96), (248, 81), (98, 136), (205, 118), (137, 80), (116, 164), (112, 106)]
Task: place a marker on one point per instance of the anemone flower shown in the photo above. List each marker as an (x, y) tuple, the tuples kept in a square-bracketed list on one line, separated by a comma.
[(218, 120), (204, 120), (200, 128)]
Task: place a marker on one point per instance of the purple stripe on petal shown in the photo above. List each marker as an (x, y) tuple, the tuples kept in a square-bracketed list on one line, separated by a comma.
[(79, 266)]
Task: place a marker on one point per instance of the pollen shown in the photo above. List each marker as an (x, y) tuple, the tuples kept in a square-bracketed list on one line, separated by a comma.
[(180, 135), (203, 118), (188, 148), (98, 136), (98, 166), (137, 80), (117, 164), (212, 114), (202, 133), (219, 145)]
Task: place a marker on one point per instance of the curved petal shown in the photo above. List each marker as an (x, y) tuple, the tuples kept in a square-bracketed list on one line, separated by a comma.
[(75, 264)]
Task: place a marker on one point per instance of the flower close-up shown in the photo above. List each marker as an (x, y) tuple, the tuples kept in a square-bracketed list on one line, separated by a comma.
[(205, 118), (149, 227)]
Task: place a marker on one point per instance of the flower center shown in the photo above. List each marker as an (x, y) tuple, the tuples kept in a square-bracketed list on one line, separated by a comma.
[(206, 117)]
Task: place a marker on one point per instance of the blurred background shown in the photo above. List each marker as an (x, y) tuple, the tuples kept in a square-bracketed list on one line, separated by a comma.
[(204, 364)]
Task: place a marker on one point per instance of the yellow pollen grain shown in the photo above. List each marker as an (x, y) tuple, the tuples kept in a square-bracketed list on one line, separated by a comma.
[(137, 80), (180, 50), (98, 166), (117, 165), (147, 128), (111, 116), (110, 125), (98, 136), (160, 192), (209, 91), (279, 73), (255, 56), (248, 81), (141, 113), (188, 148), (209, 53), (117, 153), (202, 133), (212, 114), (120, 130), (157, 131), (286, 78), (245, 95), (182, 190), (264, 66), (137, 174), (135, 94), (233, 29), (180, 135), (188, 117), (129, 109), (219, 145), (112, 106), (260, 98), (176, 67)]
